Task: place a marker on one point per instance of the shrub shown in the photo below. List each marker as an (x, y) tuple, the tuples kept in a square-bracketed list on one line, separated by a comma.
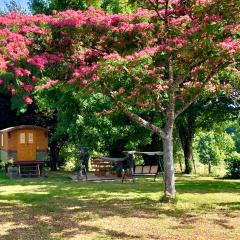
[(233, 165), (1, 163)]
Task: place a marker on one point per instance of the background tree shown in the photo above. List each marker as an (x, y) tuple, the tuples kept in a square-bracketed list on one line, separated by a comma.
[(233, 165), (233, 129), (85, 121), (39, 6), (13, 6), (113, 6), (202, 115), (214, 147), (208, 150)]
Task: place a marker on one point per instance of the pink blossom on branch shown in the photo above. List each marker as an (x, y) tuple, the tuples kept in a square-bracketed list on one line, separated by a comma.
[(203, 2), (85, 71), (21, 71), (25, 29), (47, 85), (28, 87), (3, 64), (17, 50), (28, 100), (88, 39), (230, 45), (40, 61)]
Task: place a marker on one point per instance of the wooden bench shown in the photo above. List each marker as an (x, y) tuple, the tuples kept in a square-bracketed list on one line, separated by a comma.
[(142, 170), (100, 167)]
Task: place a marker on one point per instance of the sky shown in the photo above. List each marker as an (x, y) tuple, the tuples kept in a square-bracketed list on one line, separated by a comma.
[(23, 3)]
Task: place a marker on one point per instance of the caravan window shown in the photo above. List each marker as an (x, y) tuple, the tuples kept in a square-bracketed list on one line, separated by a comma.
[(22, 138)]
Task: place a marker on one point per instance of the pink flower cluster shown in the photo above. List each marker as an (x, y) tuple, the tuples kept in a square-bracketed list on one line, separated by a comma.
[(121, 90), (129, 27), (88, 38), (199, 68), (146, 104), (193, 29), (45, 58), (17, 50), (49, 84), (11, 36), (27, 87), (212, 18), (149, 51), (15, 44), (203, 2), (111, 56), (3, 65), (85, 71), (177, 41), (17, 19), (25, 29), (160, 87), (235, 29), (12, 90), (21, 71), (230, 45), (180, 21), (28, 100)]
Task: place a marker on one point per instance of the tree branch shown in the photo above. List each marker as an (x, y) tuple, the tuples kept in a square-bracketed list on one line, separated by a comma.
[(133, 116), (187, 105), (196, 96), (142, 122)]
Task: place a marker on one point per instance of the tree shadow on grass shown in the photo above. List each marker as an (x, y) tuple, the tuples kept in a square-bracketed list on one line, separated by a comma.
[(44, 221), (65, 208), (223, 223), (233, 206), (60, 209)]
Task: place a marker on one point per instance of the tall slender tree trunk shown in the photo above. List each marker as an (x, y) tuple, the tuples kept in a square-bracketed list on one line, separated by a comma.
[(186, 137), (170, 190), (180, 165), (54, 152), (169, 179), (209, 168), (187, 147)]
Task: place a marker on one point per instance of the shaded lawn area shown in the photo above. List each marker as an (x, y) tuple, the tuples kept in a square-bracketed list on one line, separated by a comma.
[(58, 208)]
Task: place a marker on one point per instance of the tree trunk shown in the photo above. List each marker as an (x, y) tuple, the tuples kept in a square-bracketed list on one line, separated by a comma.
[(169, 179), (209, 168), (53, 157), (194, 165), (186, 141), (180, 164), (188, 155)]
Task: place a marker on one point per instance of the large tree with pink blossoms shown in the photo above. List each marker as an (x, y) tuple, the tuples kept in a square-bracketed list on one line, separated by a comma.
[(152, 64)]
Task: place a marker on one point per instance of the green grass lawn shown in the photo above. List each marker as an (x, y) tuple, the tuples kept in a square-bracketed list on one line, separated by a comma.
[(58, 208)]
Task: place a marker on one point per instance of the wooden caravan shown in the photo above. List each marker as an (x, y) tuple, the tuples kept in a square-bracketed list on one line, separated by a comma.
[(23, 144)]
